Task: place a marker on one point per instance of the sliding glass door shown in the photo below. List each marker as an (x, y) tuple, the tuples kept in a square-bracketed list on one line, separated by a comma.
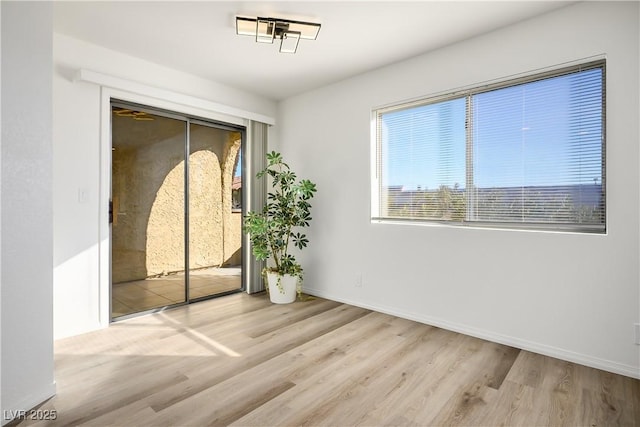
[(215, 211), (175, 217)]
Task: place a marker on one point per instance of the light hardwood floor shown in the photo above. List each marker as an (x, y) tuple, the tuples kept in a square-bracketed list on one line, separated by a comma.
[(239, 360)]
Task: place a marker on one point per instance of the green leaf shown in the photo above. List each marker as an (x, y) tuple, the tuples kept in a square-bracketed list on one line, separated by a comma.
[(286, 209)]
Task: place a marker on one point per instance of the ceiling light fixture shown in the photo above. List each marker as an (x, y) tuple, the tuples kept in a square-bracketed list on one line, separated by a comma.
[(266, 30), (140, 116)]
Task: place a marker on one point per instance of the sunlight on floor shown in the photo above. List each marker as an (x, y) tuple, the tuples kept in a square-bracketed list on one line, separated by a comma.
[(130, 338)]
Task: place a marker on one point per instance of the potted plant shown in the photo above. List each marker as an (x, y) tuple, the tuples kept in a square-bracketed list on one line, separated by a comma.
[(271, 231)]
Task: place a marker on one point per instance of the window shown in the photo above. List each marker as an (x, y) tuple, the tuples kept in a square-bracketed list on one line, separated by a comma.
[(527, 154), (236, 185)]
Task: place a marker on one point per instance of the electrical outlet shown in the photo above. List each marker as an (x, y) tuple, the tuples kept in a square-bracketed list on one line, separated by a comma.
[(637, 329), (83, 195), (359, 280)]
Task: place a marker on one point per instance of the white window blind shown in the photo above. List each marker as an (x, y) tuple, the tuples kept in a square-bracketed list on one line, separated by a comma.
[(527, 154)]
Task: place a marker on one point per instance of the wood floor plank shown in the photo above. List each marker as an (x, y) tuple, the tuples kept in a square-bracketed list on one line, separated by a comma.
[(240, 360), (513, 406), (286, 366), (467, 405), (329, 370), (468, 382), (137, 413), (402, 374), (601, 410), (415, 392), (506, 357), (283, 367), (450, 374), (265, 347), (330, 392)]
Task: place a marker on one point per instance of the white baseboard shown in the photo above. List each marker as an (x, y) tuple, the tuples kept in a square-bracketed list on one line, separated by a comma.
[(29, 402), (558, 353)]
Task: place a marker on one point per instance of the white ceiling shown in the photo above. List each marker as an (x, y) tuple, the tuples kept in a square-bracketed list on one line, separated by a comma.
[(199, 37)]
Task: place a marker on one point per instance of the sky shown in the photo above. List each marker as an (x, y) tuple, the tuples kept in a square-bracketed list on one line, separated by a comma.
[(546, 132), (238, 171)]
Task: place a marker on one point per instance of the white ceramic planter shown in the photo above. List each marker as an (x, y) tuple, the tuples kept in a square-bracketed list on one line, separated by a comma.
[(289, 289)]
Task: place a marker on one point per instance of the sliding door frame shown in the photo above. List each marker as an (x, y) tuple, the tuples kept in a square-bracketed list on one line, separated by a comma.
[(187, 120), (163, 100)]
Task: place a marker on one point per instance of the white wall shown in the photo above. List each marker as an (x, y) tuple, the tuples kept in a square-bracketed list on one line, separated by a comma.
[(78, 160), (26, 198), (573, 296)]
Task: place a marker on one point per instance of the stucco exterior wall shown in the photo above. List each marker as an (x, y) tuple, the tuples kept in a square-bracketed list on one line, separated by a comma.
[(232, 220)]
